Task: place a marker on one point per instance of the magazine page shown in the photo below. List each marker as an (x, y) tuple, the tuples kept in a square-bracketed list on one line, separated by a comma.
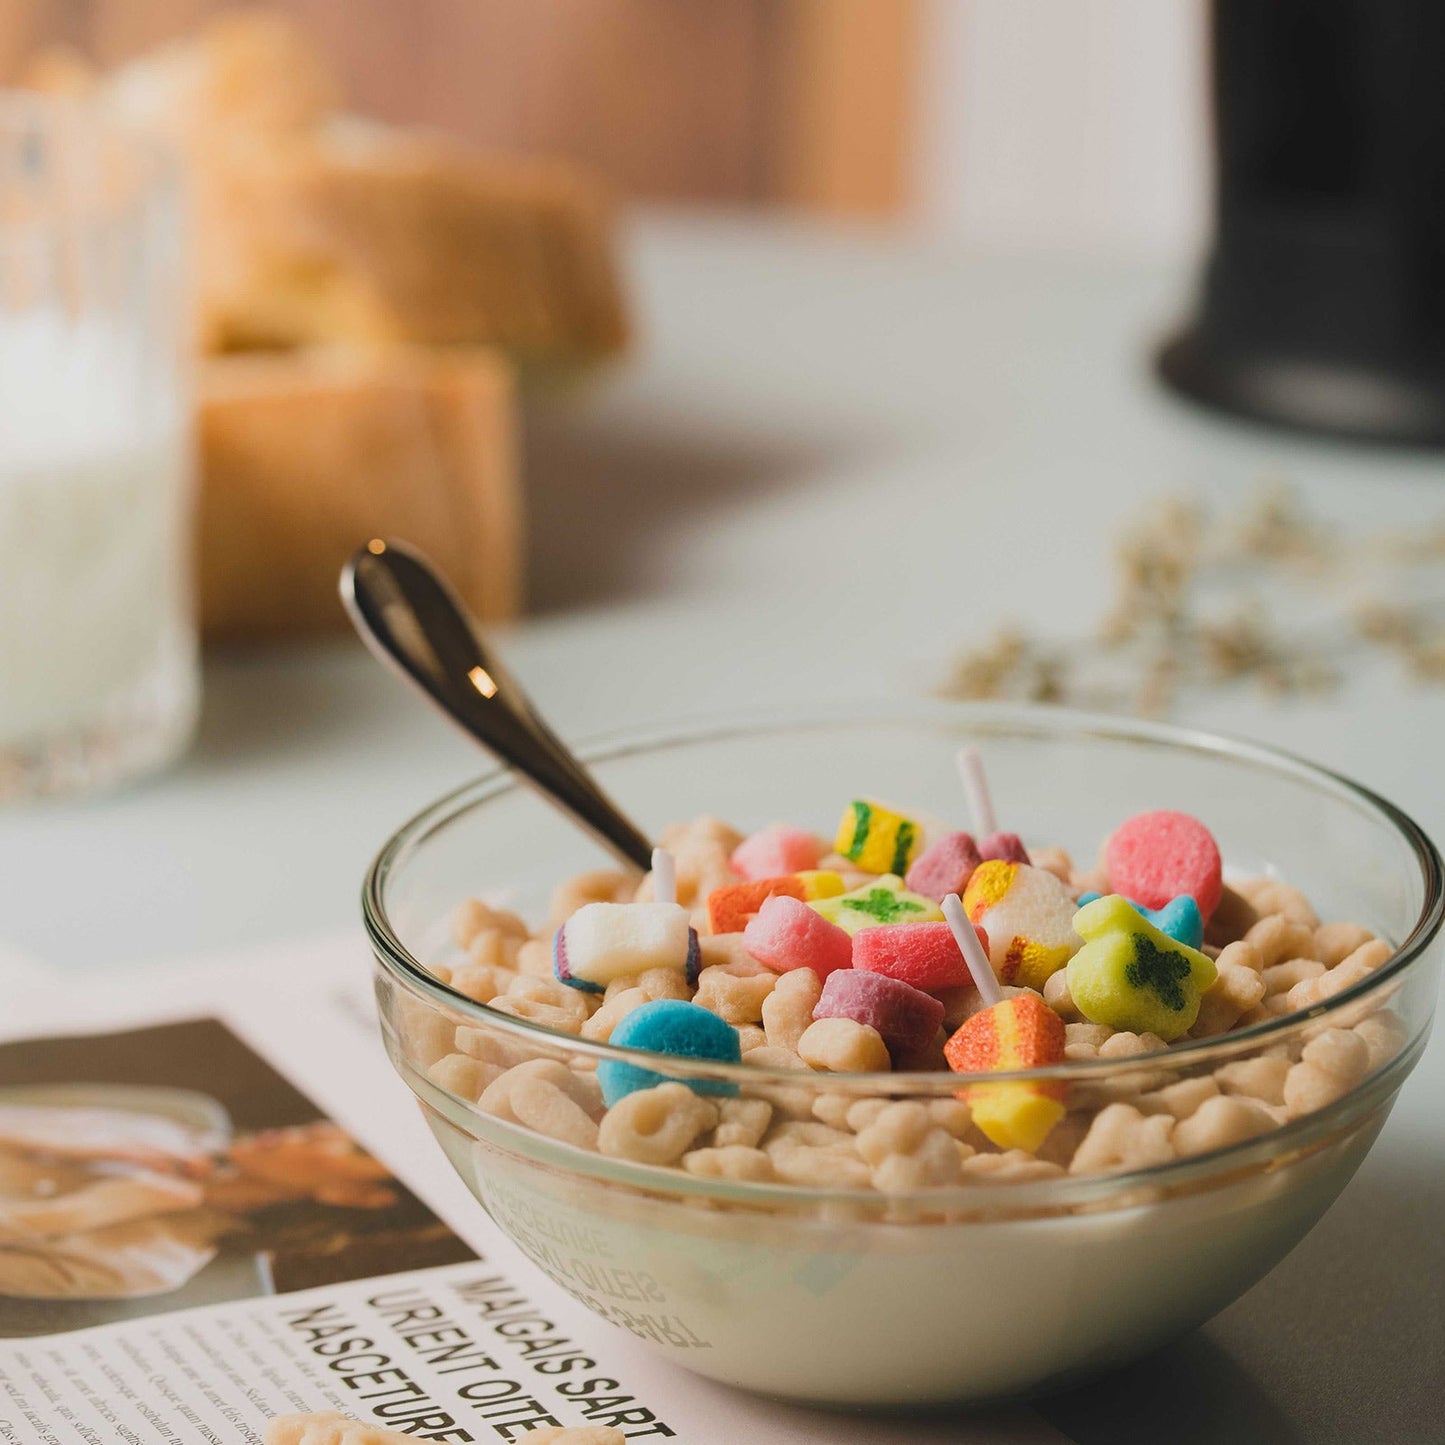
[(218, 1205)]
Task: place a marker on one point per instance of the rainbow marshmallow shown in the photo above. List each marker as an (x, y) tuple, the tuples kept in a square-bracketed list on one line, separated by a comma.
[(1028, 915), (1017, 1033), (877, 839)]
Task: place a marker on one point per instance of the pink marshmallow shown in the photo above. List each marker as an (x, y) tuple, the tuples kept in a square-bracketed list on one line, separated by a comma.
[(924, 955), (771, 852), (785, 934), (907, 1018), (1003, 847), (1154, 857), (944, 867)]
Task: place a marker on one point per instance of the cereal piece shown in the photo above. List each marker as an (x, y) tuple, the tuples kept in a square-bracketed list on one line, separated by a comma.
[(496, 1099), (788, 1009), (426, 1032), (669, 1026), (752, 1036), (815, 1156), (1236, 989), (1055, 861), (832, 1109), (1179, 1100), (1124, 1044), (776, 850), (464, 1076), (840, 1044), (944, 867), (656, 1125), (330, 1427), (535, 957), (473, 917), (600, 1026), (1384, 1037), (1087, 1036), (1259, 1078), (1350, 971), (925, 955), (1058, 997), (951, 1115), (605, 941), (491, 1047), (604, 885), (493, 948), (1233, 917), (1278, 938), (735, 991), (904, 1016), (722, 948), (881, 900), (731, 1161), (1121, 1138), (876, 838), (539, 1011), (544, 1107), (1028, 916), (897, 1128), (1335, 942), (741, 1122), (1014, 1166), (786, 934), (1132, 977), (1330, 1066), (1154, 857), (1268, 896), (935, 1162), (481, 982), (1280, 978), (1220, 1122), (1017, 1033)]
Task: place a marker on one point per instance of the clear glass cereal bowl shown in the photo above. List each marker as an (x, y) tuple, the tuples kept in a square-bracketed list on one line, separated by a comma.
[(870, 1262)]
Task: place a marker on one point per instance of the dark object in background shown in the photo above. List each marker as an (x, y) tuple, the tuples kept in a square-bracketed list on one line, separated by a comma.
[(1323, 301)]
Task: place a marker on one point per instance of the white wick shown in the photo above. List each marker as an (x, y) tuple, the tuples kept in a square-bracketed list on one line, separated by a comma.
[(975, 784), (664, 876), (972, 950)]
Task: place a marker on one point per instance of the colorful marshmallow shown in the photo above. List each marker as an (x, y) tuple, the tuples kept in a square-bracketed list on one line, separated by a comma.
[(884, 900), (924, 955), (876, 838), (1016, 1033), (906, 1017), (786, 934), (601, 942), (729, 908), (669, 1026), (1028, 915), (1154, 857), (1179, 918), (945, 867), (1131, 976), (774, 851)]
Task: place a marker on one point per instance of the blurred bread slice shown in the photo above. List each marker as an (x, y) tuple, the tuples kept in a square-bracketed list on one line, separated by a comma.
[(307, 454), (368, 234)]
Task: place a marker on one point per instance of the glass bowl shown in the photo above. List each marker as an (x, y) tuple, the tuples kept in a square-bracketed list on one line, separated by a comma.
[(1024, 1277)]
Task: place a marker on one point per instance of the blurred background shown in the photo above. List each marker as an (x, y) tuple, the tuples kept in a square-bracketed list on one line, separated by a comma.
[(1008, 122)]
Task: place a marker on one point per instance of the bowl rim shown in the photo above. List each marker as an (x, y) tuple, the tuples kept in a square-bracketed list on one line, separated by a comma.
[(1015, 719)]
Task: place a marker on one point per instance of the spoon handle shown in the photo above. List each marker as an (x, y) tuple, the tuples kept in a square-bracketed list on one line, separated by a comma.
[(410, 618)]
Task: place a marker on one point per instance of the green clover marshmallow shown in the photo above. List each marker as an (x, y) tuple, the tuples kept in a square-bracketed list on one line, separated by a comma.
[(1129, 975)]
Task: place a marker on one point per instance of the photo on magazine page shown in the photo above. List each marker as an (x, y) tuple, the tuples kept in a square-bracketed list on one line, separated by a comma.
[(162, 1168)]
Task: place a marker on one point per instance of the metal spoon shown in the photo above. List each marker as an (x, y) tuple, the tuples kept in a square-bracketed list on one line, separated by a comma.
[(412, 620)]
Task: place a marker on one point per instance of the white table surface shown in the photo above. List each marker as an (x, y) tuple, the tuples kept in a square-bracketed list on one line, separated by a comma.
[(833, 457)]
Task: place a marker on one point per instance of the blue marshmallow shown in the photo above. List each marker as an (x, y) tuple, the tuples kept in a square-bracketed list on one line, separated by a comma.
[(669, 1026), (1179, 918)]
